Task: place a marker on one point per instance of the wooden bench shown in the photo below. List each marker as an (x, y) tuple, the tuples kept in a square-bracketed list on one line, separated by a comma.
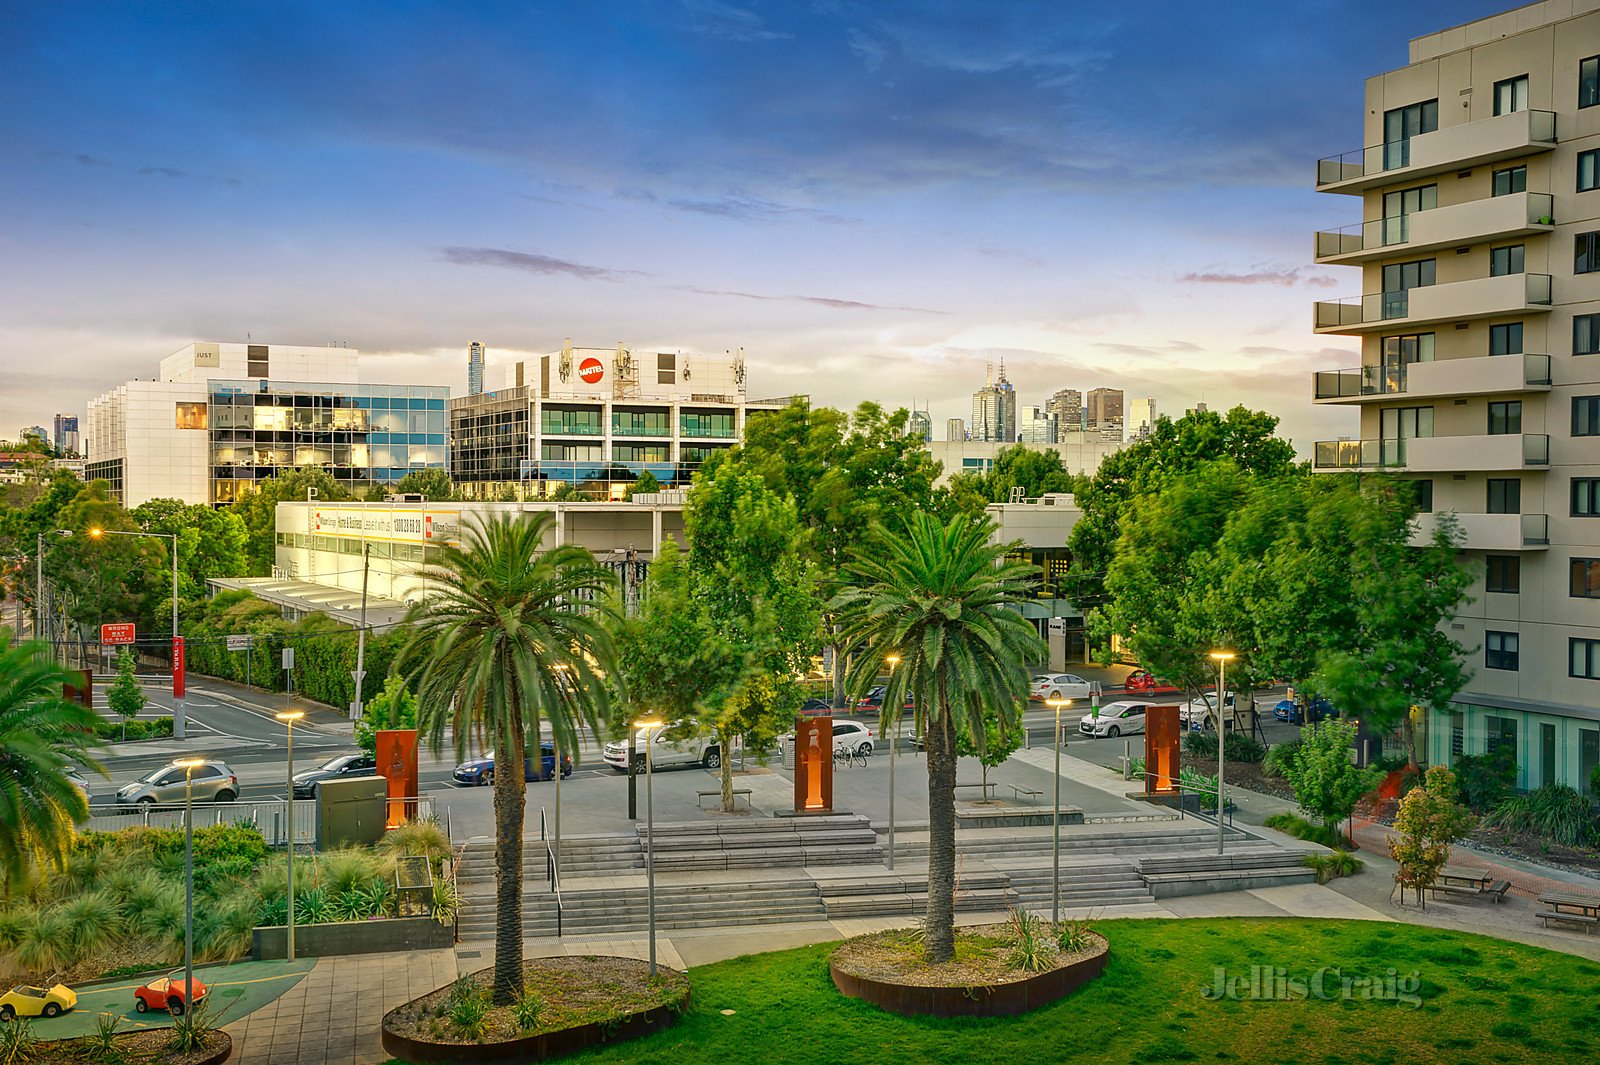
[(1498, 889), (1019, 790), (986, 789), (717, 794), (1454, 889), (1582, 920)]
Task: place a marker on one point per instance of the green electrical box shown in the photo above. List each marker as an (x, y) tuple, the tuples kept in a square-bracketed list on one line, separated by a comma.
[(351, 811)]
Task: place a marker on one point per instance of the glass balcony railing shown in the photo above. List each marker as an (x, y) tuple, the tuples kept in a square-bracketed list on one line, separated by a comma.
[(1358, 454), (1440, 226), (1535, 530), (1474, 376), (1474, 298), (1484, 139), (1535, 449)]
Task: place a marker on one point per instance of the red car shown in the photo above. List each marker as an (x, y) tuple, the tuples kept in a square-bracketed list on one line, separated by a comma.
[(168, 993), (1143, 682)]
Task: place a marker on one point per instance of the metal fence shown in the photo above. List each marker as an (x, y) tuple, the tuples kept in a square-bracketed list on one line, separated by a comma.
[(271, 816)]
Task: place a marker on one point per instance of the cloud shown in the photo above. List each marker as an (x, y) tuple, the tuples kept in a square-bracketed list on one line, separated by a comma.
[(724, 22), (167, 171), (532, 264), (84, 159), (1279, 275), (821, 301), (749, 209)]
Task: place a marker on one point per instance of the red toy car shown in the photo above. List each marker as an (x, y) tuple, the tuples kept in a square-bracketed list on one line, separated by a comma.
[(1143, 682), (168, 993)]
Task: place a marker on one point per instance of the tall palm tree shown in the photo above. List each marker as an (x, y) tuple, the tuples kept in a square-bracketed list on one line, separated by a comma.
[(40, 734), (942, 598), (510, 634)]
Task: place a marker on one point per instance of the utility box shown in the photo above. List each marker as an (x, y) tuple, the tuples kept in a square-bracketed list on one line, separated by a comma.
[(351, 811)]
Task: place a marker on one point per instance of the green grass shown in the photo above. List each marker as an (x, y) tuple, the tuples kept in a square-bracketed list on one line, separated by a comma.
[(1483, 1000)]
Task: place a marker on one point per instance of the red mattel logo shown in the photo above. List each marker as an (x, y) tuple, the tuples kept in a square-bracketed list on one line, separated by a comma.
[(591, 370)]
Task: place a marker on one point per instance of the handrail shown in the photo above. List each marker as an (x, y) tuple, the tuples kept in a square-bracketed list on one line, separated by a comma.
[(554, 874), (1180, 787)]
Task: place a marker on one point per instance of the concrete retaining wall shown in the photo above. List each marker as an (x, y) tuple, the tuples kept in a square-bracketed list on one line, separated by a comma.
[(352, 937)]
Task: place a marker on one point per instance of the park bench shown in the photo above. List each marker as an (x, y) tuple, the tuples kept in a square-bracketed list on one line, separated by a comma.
[(1571, 908), (717, 794), (1019, 790), (1583, 921), (987, 790)]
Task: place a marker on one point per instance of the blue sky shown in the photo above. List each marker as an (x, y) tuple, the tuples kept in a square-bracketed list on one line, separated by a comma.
[(873, 199)]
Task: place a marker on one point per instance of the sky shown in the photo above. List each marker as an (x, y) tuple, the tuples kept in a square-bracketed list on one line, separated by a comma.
[(876, 200)]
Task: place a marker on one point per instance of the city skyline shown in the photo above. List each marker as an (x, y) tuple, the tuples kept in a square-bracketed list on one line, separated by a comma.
[(433, 180)]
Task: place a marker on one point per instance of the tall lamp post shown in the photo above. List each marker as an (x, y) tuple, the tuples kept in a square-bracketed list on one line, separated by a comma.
[(894, 749), (643, 729), (561, 669), (1221, 658), (289, 717), (38, 580), (180, 727), (1055, 877), (189, 765)]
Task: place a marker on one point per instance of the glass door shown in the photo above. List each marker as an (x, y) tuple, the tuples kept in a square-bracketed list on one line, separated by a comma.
[(1398, 353), (1398, 205), (1403, 123)]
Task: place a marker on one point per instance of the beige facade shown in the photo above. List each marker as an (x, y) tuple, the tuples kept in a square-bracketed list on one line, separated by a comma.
[(1478, 367)]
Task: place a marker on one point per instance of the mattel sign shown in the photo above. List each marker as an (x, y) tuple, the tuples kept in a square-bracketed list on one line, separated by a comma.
[(591, 370)]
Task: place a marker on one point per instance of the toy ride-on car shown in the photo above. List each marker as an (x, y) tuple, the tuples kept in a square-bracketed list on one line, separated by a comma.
[(26, 1001), (168, 993)]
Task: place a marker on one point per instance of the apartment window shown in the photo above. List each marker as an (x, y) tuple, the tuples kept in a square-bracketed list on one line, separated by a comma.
[(1586, 334), (1511, 95), (1403, 123), (1589, 82), (1500, 733), (1505, 339), (1586, 415), (1397, 205), (1505, 495), (1583, 659), (1506, 260), (1458, 736), (1586, 497), (1585, 582), (1511, 179), (191, 416), (1505, 417), (1503, 574), (1424, 495), (1586, 252), (1589, 170), (666, 368), (1500, 650), (256, 360)]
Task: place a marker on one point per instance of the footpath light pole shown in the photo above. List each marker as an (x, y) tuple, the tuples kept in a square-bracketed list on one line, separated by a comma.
[(289, 717), (894, 749), (1221, 658), (643, 729), (189, 765), (1055, 877)]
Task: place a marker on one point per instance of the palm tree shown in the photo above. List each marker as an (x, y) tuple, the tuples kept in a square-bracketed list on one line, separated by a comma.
[(41, 733), (509, 635), (942, 598)]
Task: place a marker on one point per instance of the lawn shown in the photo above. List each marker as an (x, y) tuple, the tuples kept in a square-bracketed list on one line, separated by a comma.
[(1482, 1000)]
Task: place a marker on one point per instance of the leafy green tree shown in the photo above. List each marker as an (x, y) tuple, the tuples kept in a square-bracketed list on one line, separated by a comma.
[(1036, 471), (645, 484), (511, 634), (125, 697), (1000, 742), (1325, 780), (945, 600), (432, 484), (1428, 822), (259, 509), (41, 734), (108, 578), (211, 541), (393, 708)]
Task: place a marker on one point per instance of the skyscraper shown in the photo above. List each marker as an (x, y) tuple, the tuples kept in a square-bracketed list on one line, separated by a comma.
[(1142, 417), (474, 369), (1067, 406), (1036, 426), (1103, 412), (920, 425), (66, 434), (955, 429), (994, 410)]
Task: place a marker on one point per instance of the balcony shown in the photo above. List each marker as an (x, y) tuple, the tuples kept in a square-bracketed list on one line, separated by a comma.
[(1489, 532), (1458, 147), (1510, 295), (1435, 454), (1523, 214), (1485, 375)]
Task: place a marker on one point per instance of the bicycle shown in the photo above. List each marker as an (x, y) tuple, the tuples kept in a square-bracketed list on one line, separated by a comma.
[(843, 758)]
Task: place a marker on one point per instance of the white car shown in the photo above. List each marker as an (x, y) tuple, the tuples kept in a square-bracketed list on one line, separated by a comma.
[(848, 735), (669, 751), (1115, 719), (1059, 686), (1197, 713)]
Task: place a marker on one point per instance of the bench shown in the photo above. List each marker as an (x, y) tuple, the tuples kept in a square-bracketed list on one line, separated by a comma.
[(1582, 920), (703, 795), (1498, 889), (1454, 889), (1019, 790), (986, 789)]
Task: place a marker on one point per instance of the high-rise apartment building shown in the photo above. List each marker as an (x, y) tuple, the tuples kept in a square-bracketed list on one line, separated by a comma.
[(920, 425), (1067, 406), (474, 368), (1102, 410), (1476, 232), (1036, 426), (955, 429), (994, 410), (66, 434), (1142, 418)]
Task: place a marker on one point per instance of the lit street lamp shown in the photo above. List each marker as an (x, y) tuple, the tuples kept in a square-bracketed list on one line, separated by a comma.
[(894, 748), (180, 728), (1055, 877), (188, 765), (1221, 658), (289, 717), (643, 729)]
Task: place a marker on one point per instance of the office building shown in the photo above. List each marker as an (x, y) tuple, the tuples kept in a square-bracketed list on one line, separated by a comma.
[(955, 429), (36, 432), (220, 417), (1067, 406), (920, 425), (474, 368), (1198, 408), (1474, 227), (1081, 454), (66, 434), (1035, 426), (595, 418), (1102, 413), (994, 409), (1142, 418)]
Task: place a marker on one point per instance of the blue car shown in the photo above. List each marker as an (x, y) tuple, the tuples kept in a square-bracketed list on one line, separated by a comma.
[(1296, 713), (481, 770)]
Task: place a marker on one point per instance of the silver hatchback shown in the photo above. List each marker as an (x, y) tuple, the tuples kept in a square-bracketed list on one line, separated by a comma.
[(213, 782)]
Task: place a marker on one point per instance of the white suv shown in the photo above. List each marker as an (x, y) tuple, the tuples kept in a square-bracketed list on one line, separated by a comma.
[(848, 735), (669, 751), (1116, 719)]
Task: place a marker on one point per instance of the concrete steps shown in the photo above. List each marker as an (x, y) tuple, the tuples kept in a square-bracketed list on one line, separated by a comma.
[(596, 911)]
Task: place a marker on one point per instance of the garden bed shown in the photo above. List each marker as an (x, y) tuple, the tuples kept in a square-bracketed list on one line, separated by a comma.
[(153, 1047), (582, 1002), (890, 970)]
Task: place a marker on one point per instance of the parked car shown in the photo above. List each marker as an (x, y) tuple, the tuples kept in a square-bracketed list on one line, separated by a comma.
[(26, 1001), (1115, 719), (1297, 711), (669, 750), (170, 993), (873, 700), (1198, 713), (339, 767), (213, 782), (1144, 682), (848, 735), (477, 771), (817, 706), (1059, 686)]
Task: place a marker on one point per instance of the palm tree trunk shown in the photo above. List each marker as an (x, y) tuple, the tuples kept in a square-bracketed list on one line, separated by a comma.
[(940, 922), (510, 805)]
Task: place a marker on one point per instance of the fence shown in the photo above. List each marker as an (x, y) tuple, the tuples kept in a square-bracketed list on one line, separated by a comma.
[(269, 815)]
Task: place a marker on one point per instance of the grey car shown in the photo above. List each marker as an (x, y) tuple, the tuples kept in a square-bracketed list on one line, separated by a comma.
[(213, 782)]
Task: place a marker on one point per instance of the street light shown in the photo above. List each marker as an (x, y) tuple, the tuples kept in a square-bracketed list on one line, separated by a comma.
[(180, 727), (188, 765), (643, 729), (1055, 877), (894, 745), (1221, 658), (289, 717), (38, 580), (561, 669)]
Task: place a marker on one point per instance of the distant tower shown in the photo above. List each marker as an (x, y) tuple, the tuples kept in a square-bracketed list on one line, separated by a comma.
[(474, 368), (920, 425), (994, 409)]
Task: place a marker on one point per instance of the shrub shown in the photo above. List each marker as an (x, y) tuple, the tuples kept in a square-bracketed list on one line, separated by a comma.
[(226, 927), (1326, 783), (91, 920), (1279, 758), (526, 1010), (18, 1044), (1484, 780), (1594, 782), (467, 1009), (1554, 812), (1333, 865), (424, 836), (192, 1028), (1074, 937), (103, 1043), (44, 945), (150, 728), (1031, 949), (445, 901), (342, 871), (1196, 782), (312, 906), (1200, 744), (1238, 747), (1390, 763), (1300, 828)]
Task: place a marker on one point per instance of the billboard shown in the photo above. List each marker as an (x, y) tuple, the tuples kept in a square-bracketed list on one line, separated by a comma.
[(411, 525)]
